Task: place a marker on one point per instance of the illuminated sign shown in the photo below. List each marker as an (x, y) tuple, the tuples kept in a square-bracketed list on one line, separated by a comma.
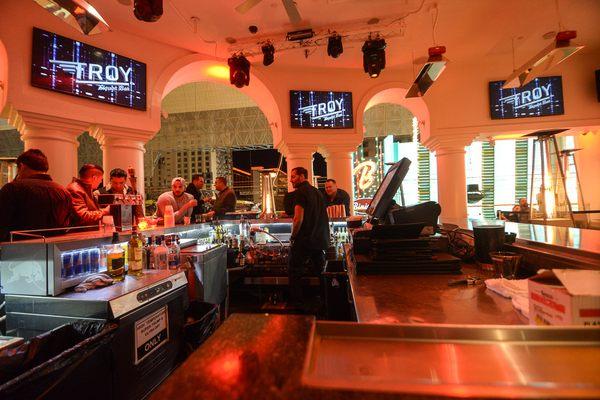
[(365, 173), (314, 109), (68, 66), (540, 97)]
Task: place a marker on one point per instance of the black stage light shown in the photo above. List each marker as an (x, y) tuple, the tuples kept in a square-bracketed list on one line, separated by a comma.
[(239, 71), (334, 46), (374, 56), (268, 54), (148, 10)]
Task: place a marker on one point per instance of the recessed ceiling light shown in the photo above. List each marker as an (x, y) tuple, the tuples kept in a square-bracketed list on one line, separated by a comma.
[(373, 21), (230, 40)]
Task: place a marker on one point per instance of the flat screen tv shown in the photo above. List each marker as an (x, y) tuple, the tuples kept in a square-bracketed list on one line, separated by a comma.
[(540, 97), (321, 110), (382, 201), (67, 66)]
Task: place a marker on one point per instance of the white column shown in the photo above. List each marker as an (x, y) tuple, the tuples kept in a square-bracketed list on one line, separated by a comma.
[(59, 145), (339, 167), (452, 182), (588, 165), (298, 155), (122, 148)]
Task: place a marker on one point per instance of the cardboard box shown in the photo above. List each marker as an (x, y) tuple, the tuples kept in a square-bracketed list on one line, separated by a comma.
[(565, 297)]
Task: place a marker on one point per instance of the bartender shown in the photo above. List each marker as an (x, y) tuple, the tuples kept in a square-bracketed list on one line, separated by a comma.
[(335, 196), (310, 233), (117, 185), (225, 201)]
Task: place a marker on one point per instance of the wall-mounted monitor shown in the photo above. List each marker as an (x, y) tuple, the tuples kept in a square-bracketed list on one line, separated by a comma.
[(321, 110), (540, 97), (67, 66)]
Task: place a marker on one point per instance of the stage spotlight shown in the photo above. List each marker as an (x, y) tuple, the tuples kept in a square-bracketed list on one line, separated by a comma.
[(268, 54), (148, 10), (239, 71), (374, 56), (334, 46)]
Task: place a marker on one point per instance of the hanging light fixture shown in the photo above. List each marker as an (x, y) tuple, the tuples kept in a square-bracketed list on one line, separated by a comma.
[(552, 55), (78, 13), (374, 56), (334, 46), (268, 51), (431, 70), (239, 70)]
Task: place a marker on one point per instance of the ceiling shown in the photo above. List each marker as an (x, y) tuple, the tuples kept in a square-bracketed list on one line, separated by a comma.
[(204, 96), (470, 29)]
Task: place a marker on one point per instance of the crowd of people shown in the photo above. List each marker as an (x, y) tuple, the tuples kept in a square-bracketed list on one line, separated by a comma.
[(32, 201)]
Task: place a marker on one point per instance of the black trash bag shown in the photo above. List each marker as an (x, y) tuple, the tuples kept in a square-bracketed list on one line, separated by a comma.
[(30, 369), (201, 320)]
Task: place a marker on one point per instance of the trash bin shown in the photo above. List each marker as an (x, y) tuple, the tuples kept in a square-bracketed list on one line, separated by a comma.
[(335, 287), (201, 320), (70, 360)]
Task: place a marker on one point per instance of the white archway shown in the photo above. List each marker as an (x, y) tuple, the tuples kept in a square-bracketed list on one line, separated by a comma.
[(196, 67), (395, 93)]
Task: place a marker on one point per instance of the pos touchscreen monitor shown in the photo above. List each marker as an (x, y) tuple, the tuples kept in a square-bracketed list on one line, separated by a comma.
[(382, 201)]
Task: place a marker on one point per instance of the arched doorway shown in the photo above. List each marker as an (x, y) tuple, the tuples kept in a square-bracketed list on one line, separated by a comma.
[(393, 127)]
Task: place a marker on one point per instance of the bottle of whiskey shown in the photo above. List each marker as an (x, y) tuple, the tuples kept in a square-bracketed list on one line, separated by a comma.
[(115, 259), (135, 248)]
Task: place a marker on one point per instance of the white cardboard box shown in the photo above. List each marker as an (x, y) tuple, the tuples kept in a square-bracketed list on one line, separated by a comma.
[(565, 297)]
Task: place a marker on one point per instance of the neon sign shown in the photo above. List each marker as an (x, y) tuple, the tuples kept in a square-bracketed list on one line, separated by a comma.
[(97, 74), (365, 174)]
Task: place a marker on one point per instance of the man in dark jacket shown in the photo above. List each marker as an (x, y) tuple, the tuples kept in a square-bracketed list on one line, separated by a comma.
[(33, 200), (85, 204), (226, 199), (196, 189), (310, 232)]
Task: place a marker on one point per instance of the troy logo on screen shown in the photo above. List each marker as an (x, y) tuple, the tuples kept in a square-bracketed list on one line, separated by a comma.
[(96, 74), (324, 111), (530, 98)]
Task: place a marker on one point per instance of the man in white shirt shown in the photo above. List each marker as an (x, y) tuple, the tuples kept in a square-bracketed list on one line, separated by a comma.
[(183, 203)]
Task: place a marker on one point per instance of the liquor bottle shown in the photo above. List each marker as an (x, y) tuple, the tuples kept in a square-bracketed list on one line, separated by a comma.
[(172, 255), (135, 248), (150, 253), (161, 253), (115, 259)]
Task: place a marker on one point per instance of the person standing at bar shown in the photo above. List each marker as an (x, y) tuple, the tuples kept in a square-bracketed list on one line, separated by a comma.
[(225, 201), (335, 196), (86, 207), (32, 200), (310, 233), (183, 203), (196, 189), (117, 185)]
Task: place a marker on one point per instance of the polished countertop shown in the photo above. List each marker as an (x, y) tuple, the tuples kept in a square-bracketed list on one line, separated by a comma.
[(391, 299), (584, 240)]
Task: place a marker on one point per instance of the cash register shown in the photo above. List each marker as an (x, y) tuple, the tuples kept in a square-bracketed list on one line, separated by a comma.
[(400, 239)]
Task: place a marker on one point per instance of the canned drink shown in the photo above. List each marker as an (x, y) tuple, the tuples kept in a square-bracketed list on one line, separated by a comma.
[(85, 261), (67, 266), (77, 265), (95, 260)]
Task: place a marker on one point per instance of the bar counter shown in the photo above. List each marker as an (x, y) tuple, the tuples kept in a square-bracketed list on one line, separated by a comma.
[(414, 299)]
